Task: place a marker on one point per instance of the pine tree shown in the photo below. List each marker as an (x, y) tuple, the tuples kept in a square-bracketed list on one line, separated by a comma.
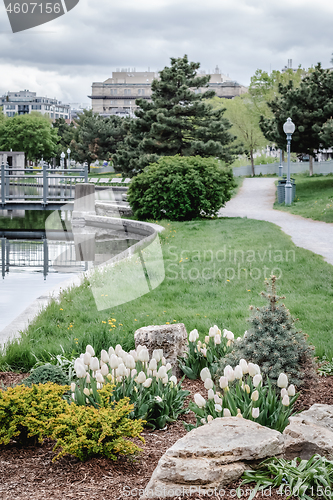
[(273, 342), (178, 120)]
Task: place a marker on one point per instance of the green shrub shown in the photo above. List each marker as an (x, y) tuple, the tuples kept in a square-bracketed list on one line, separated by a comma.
[(26, 412), (46, 373), (85, 431), (180, 188), (273, 343)]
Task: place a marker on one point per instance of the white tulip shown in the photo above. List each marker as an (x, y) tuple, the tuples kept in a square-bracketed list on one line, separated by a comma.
[(194, 335), (143, 355), (252, 369), (284, 392), (291, 390), (163, 360), (134, 373), (160, 351), (165, 380), (86, 391), (73, 386), (104, 356), (162, 372), (255, 412), (238, 372), (122, 355), (134, 354), (285, 400), (87, 358), (99, 385), (168, 367), (205, 373), (255, 396), (211, 393), (217, 399), (118, 349), (199, 400), (204, 351), (173, 379), (217, 339), (153, 364), (114, 361), (149, 372), (141, 378), (209, 384), (111, 351), (88, 378), (282, 381), (223, 382), (230, 336), (213, 331), (244, 366), (218, 407), (147, 383), (105, 370), (257, 367), (257, 379), (90, 349), (80, 370), (209, 418), (121, 370), (94, 364), (130, 362), (226, 412), (229, 373), (156, 355), (99, 378), (154, 373), (199, 344)]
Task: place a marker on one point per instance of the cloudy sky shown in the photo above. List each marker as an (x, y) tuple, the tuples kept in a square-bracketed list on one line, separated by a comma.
[(63, 57)]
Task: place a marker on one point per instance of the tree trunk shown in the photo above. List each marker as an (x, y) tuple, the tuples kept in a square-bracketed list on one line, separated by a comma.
[(252, 163), (311, 165)]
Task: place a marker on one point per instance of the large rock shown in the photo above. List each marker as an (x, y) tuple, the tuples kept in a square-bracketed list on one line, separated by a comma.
[(212, 456), (171, 338), (310, 432)]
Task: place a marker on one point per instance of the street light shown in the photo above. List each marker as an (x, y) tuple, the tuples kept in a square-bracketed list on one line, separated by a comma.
[(69, 157), (62, 161), (289, 129)]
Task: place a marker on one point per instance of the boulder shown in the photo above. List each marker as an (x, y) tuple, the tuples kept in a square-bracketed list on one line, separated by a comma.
[(212, 456), (310, 432), (171, 338)]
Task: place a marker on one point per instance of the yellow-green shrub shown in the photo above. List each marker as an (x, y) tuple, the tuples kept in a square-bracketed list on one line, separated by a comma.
[(84, 431), (26, 412)]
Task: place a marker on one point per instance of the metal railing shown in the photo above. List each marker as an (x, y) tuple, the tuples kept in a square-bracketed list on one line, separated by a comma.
[(45, 186)]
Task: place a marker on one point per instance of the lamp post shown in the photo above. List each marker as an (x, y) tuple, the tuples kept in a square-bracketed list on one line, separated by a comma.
[(69, 157), (289, 129), (62, 161)]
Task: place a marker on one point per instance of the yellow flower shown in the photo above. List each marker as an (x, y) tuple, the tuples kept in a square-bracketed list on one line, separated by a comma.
[(61, 309), (120, 324), (103, 321), (249, 290), (167, 323), (135, 320)]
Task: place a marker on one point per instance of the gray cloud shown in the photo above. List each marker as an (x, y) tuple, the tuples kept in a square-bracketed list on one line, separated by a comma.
[(66, 55)]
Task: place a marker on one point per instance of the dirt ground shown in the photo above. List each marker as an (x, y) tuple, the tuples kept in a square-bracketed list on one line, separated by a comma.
[(29, 473)]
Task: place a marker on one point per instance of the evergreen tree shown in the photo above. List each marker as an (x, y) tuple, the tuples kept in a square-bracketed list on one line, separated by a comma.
[(309, 106), (272, 342), (178, 120)]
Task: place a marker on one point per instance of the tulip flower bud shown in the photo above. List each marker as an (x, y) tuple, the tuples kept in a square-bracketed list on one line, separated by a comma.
[(114, 361), (226, 412), (111, 351), (141, 378), (210, 393), (79, 369), (205, 373), (247, 388), (105, 370), (199, 344), (168, 367), (282, 381), (238, 372), (204, 351), (209, 418), (291, 390), (252, 369), (255, 412), (229, 373), (143, 355), (134, 354), (90, 349), (223, 382), (217, 399), (194, 335), (285, 400), (134, 373), (217, 339), (255, 396), (129, 362), (104, 356), (86, 391), (162, 372), (99, 378), (94, 364), (87, 358), (73, 386), (121, 370), (173, 379), (153, 364), (163, 360), (209, 384), (165, 380), (239, 415), (284, 392), (207, 339), (218, 408), (199, 400), (154, 373), (213, 331), (118, 349), (257, 379), (147, 383), (156, 355), (244, 366)]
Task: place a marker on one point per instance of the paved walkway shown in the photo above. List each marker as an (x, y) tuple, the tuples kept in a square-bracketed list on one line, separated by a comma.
[(255, 200)]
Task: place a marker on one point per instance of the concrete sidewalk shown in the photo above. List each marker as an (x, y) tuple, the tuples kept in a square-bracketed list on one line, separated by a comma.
[(255, 200)]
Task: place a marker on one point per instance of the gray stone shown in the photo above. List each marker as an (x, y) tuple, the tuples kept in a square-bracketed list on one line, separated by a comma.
[(213, 455), (84, 202), (171, 338), (310, 432)]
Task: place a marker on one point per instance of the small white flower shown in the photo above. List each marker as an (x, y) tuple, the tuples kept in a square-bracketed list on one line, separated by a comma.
[(244, 366), (203, 421), (255, 412), (143, 355), (209, 418), (226, 412), (163, 360), (130, 362), (284, 392), (147, 383), (79, 369), (217, 339), (229, 373), (217, 399), (86, 391), (282, 381), (104, 356), (134, 372), (209, 384), (90, 349), (159, 399), (94, 364), (118, 349), (156, 355), (134, 354), (141, 378), (111, 351), (87, 358), (252, 369), (168, 367), (99, 378), (199, 400), (73, 386), (114, 361), (173, 379), (207, 339), (162, 372), (194, 335), (238, 372), (285, 400), (205, 373), (153, 364), (255, 396), (121, 370), (204, 351), (257, 379), (291, 390), (105, 370), (223, 382), (211, 393), (218, 407), (213, 331)]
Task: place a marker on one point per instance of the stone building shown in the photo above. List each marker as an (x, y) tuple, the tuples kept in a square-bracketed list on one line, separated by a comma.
[(24, 102)]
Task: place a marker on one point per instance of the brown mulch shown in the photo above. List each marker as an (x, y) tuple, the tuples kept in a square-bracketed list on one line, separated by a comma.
[(29, 473)]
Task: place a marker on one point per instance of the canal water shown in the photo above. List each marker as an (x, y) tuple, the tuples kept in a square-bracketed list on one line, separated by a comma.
[(34, 258)]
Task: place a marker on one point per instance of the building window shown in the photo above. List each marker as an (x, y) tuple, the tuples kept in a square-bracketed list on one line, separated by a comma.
[(10, 113), (36, 106), (143, 91), (113, 91)]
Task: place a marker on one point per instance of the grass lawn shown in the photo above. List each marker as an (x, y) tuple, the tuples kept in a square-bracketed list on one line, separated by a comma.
[(314, 198), (214, 270)]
